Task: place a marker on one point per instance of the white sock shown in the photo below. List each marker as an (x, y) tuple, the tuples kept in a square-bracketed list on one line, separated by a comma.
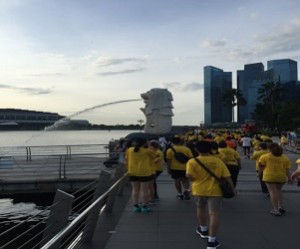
[(211, 239), (203, 228)]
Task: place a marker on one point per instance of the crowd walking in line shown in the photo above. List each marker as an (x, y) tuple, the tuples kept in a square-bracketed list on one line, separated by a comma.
[(201, 164)]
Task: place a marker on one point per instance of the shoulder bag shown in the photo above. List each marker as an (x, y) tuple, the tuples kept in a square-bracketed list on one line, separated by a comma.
[(227, 190)]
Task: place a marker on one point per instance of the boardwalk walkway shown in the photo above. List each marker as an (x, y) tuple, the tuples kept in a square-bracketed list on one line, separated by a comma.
[(245, 220)]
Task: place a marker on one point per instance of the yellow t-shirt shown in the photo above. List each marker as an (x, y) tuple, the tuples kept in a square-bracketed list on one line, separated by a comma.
[(283, 140), (274, 167), (231, 156), (256, 156), (218, 139), (265, 138), (140, 163), (218, 155), (160, 164), (204, 184), (175, 165)]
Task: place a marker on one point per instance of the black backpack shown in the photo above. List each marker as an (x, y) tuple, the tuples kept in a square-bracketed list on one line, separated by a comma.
[(179, 156)]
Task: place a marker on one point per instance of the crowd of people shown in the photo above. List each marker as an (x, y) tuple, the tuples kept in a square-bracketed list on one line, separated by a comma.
[(189, 157)]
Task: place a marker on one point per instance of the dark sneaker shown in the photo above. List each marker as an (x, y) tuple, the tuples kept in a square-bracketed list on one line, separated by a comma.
[(275, 213), (146, 210), (186, 195), (180, 196), (137, 209), (282, 210), (203, 234), (213, 245)]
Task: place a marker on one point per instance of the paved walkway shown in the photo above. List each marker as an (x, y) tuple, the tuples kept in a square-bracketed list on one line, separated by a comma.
[(245, 220)]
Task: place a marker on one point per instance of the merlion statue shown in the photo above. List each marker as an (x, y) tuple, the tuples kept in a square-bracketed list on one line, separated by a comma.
[(158, 110)]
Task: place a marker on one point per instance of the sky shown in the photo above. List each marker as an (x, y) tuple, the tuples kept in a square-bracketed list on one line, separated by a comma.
[(68, 55)]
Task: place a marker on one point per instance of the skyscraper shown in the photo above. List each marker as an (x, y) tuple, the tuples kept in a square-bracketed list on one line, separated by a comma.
[(286, 69), (249, 81), (216, 83)]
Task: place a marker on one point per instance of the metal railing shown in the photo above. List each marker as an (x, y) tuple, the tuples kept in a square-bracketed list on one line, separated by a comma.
[(72, 219), (68, 150)]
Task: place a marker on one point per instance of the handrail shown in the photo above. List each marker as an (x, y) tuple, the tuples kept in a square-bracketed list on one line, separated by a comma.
[(80, 217)]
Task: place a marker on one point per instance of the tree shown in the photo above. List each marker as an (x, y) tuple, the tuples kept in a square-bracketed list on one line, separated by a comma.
[(234, 97), (268, 109)]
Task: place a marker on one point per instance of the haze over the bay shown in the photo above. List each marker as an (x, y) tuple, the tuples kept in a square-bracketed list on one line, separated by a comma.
[(67, 55)]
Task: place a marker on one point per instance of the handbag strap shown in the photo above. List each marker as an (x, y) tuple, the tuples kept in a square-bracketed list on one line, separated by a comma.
[(207, 169), (172, 148)]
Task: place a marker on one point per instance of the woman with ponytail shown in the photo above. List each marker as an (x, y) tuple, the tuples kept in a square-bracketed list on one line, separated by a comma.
[(139, 166)]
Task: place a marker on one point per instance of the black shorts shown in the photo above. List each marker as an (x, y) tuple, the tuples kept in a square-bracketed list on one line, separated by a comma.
[(141, 178), (176, 174)]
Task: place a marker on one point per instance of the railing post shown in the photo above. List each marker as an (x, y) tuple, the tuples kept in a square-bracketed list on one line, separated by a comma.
[(59, 173), (59, 214), (92, 220), (112, 196), (65, 161)]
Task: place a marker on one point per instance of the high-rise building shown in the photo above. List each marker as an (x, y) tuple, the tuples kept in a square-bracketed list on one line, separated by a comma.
[(216, 83), (249, 81), (286, 69)]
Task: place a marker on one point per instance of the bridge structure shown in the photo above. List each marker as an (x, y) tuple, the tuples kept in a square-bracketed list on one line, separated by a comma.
[(100, 216)]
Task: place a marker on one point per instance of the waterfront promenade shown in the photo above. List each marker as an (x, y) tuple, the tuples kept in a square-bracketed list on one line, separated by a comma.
[(245, 220)]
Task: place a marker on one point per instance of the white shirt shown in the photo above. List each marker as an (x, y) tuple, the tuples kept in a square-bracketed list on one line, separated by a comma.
[(246, 141)]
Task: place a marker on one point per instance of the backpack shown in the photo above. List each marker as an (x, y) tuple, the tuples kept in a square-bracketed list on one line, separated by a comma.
[(179, 156)]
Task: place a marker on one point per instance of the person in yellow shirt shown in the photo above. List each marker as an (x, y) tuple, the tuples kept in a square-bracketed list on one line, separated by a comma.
[(283, 141), (177, 169), (296, 174), (207, 191), (256, 156), (215, 151), (139, 163), (158, 165), (232, 160), (274, 167)]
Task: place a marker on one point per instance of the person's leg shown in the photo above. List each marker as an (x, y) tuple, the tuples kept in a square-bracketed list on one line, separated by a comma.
[(135, 192), (144, 196), (280, 196), (263, 185), (234, 173), (155, 189), (186, 184), (202, 228), (244, 149), (273, 195), (178, 186), (214, 206), (151, 190)]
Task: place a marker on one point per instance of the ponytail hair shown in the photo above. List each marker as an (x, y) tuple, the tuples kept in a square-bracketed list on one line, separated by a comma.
[(139, 142)]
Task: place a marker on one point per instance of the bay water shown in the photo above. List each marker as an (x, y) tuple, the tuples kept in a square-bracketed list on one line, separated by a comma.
[(13, 211)]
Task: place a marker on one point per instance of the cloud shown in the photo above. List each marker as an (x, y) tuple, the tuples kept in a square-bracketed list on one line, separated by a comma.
[(125, 71), (194, 86), (214, 43), (254, 15), (47, 74), (183, 87), (282, 40), (107, 61), (28, 90)]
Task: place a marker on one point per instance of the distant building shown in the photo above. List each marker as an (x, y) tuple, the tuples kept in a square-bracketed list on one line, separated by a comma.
[(216, 83), (286, 69), (249, 81), (25, 119)]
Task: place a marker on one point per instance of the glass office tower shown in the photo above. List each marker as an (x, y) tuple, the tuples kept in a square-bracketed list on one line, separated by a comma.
[(286, 69), (216, 83)]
